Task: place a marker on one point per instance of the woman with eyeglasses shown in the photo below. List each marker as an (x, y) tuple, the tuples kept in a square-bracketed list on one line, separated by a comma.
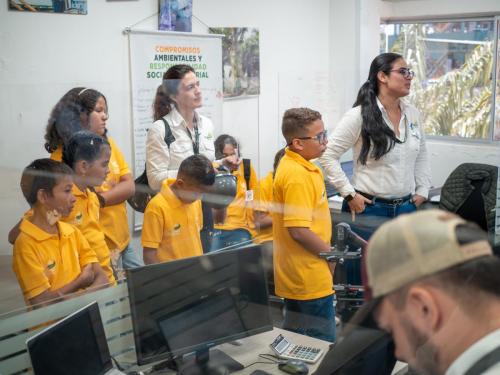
[(391, 172)]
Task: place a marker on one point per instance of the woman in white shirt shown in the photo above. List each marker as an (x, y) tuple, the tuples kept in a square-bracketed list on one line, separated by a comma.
[(176, 102), (391, 169)]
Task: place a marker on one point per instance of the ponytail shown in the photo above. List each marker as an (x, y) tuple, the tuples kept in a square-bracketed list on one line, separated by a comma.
[(375, 134)]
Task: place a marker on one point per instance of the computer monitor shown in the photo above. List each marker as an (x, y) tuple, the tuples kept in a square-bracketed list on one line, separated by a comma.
[(348, 168), (192, 304), (361, 351), (74, 345)]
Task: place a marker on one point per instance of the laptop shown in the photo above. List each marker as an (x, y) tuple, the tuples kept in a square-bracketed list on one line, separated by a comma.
[(74, 345)]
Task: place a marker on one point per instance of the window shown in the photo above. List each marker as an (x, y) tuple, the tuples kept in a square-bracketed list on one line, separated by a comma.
[(454, 62)]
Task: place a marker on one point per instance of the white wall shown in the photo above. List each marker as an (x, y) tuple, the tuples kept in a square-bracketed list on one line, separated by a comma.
[(294, 40)]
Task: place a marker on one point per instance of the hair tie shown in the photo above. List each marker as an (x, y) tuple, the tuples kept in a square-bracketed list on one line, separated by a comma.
[(81, 92)]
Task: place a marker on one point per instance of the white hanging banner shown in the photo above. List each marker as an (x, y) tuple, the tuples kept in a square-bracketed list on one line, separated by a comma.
[(151, 54)]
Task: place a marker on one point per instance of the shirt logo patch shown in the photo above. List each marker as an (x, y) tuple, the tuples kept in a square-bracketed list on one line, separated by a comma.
[(176, 230), (78, 219), (51, 264)]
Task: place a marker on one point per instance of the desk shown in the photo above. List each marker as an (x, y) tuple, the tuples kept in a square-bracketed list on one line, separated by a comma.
[(252, 346)]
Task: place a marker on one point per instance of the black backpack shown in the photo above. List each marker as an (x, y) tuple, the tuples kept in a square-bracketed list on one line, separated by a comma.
[(143, 193)]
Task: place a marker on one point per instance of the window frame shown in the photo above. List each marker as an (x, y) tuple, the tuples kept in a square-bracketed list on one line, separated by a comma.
[(495, 18)]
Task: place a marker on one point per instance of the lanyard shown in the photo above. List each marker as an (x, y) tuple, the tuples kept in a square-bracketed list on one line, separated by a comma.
[(485, 362), (196, 141)]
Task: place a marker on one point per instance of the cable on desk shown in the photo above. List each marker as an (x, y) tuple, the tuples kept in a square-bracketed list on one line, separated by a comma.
[(271, 360), (118, 366)]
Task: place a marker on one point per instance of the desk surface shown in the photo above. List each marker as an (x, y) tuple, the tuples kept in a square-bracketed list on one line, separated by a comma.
[(250, 348)]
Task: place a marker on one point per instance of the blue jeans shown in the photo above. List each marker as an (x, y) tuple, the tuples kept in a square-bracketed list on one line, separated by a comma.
[(366, 226), (314, 317), (129, 258), (225, 238)]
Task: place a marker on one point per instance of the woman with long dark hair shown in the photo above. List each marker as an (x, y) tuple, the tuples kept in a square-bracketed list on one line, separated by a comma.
[(391, 167)]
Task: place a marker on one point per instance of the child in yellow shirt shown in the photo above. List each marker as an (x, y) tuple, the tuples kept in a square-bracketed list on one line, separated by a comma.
[(88, 155), (302, 228), (173, 218), (262, 216), (52, 258), (238, 225), (86, 108)]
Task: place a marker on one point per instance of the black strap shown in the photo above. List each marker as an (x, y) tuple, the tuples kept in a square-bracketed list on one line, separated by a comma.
[(169, 137), (485, 362), (196, 142), (246, 172)]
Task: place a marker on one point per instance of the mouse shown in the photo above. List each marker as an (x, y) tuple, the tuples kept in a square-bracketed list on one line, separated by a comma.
[(294, 367)]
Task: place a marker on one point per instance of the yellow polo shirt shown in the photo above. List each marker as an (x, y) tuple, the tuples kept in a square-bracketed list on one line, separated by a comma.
[(239, 214), (113, 219), (44, 261), (299, 191), (85, 216), (263, 202), (172, 226)]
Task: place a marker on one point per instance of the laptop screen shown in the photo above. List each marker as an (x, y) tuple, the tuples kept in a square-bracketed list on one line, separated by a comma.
[(74, 345)]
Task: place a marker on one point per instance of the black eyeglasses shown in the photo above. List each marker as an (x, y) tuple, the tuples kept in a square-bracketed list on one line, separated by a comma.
[(321, 137), (405, 72)]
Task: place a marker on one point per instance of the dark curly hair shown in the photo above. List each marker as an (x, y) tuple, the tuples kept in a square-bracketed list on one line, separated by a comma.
[(69, 115)]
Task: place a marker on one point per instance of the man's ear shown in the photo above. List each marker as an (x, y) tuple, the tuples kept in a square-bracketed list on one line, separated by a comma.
[(424, 309)]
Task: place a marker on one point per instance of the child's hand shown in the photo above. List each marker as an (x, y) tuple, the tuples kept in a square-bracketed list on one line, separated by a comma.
[(232, 162)]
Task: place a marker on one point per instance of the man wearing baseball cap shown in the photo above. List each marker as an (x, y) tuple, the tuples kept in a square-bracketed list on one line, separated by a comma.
[(433, 283)]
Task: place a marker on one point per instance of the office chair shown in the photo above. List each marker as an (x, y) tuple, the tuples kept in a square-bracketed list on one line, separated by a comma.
[(470, 191)]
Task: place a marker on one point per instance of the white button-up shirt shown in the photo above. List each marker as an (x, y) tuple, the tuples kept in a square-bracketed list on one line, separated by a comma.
[(403, 170), (163, 162), (474, 353)]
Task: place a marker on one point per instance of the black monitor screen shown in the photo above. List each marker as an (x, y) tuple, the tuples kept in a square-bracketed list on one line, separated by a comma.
[(75, 345), (192, 304)]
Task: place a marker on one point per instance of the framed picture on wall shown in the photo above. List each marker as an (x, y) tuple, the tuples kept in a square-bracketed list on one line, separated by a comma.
[(49, 6), (240, 59)]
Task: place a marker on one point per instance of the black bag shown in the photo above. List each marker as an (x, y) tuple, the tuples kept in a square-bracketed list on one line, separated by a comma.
[(143, 193)]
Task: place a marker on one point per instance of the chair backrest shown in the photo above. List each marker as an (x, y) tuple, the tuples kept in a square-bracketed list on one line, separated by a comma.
[(471, 192), (115, 313)]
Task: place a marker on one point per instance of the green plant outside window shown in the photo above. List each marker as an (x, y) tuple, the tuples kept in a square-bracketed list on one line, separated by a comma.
[(453, 84)]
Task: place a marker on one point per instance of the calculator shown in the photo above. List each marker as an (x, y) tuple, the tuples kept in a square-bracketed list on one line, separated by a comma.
[(285, 349)]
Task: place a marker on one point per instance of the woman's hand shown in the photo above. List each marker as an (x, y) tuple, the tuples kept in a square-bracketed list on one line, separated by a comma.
[(418, 199), (357, 205)]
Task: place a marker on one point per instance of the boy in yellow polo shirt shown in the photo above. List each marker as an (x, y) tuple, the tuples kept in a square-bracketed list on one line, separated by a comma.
[(52, 258), (173, 218), (302, 228)]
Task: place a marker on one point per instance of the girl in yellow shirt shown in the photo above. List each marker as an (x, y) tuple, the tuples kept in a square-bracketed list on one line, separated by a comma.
[(238, 225), (88, 109), (88, 155)]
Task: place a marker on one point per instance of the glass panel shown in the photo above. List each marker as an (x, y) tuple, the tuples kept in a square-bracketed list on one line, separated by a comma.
[(496, 133), (453, 64)]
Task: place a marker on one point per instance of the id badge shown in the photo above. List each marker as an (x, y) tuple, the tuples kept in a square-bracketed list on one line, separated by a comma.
[(249, 196)]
